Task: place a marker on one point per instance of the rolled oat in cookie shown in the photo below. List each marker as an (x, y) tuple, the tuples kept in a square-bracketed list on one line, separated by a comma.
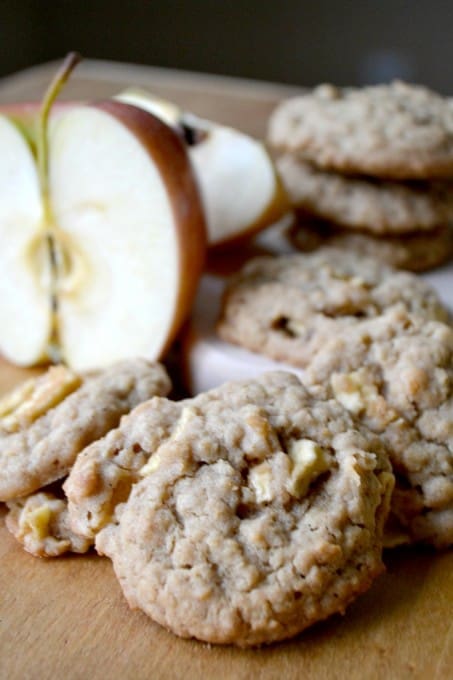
[(288, 307), (46, 422), (417, 252), (394, 374), (259, 512), (360, 203), (40, 523), (397, 131)]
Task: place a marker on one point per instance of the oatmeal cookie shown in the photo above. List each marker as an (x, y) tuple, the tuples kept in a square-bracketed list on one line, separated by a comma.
[(46, 422), (397, 131), (259, 511), (394, 374), (287, 307), (417, 252), (360, 203), (104, 473), (40, 523)]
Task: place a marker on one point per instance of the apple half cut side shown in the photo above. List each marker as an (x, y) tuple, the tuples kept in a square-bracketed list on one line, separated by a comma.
[(26, 313), (241, 190), (129, 233)]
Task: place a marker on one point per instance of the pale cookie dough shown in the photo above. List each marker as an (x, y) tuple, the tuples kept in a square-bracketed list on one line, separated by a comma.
[(287, 307), (103, 474), (359, 203), (417, 252), (40, 523), (395, 375), (397, 131), (258, 515), (47, 422)]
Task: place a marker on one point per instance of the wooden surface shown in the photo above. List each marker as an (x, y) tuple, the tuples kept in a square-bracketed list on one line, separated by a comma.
[(66, 618), (242, 103)]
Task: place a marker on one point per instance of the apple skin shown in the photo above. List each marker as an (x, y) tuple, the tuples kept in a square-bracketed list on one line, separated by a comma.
[(162, 143)]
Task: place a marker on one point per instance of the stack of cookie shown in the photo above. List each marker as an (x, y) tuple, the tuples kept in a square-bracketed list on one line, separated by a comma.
[(370, 170)]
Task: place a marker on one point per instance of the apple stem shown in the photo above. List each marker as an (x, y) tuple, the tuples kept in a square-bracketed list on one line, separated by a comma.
[(70, 62), (42, 151)]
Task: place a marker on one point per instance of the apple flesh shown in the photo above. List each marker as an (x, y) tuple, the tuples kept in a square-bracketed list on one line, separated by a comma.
[(25, 305), (241, 191), (127, 230)]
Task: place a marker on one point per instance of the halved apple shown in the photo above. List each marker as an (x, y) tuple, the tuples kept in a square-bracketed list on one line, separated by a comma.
[(104, 256), (130, 233), (241, 191)]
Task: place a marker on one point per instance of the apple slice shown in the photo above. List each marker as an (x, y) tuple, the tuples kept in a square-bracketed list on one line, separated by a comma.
[(25, 303), (241, 191), (167, 111), (130, 235), (240, 187)]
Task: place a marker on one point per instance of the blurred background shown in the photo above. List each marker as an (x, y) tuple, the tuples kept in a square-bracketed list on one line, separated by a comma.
[(302, 43)]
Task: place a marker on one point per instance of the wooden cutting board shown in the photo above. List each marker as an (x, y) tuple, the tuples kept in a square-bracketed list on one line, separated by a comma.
[(66, 618)]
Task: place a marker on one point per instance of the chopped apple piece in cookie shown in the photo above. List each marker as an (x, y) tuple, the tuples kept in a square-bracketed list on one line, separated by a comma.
[(35, 397), (40, 522)]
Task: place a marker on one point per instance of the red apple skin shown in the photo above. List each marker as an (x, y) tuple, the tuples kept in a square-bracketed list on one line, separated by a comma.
[(168, 151)]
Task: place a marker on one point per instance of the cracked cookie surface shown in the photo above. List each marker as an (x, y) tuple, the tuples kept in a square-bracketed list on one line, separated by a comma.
[(48, 421), (394, 374), (395, 131), (259, 512), (287, 307)]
